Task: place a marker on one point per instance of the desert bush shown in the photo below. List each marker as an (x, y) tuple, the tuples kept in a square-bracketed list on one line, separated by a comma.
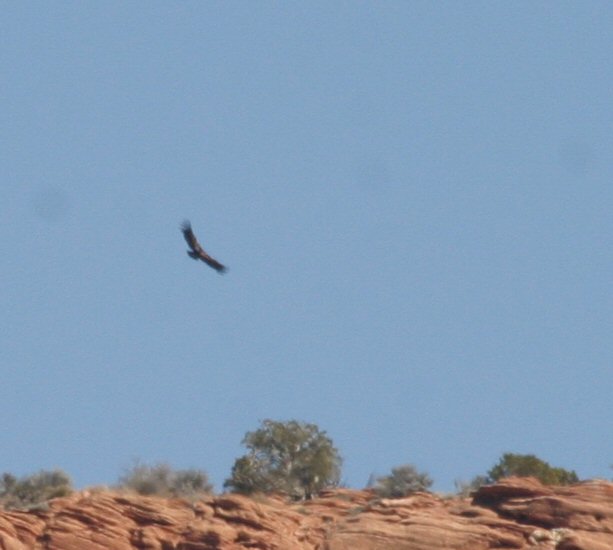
[(465, 488), (529, 465), (162, 480), (403, 481), (291, 457), (33, 490)]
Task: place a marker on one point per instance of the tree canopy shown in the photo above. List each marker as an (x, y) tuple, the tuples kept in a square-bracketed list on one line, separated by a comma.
[(291, 457), (529, 465)]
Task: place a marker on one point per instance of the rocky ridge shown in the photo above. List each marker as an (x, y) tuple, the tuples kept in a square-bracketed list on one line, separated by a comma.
[(516, 513)]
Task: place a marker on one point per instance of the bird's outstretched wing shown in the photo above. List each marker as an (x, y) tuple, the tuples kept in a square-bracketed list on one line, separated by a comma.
[(197, 252)]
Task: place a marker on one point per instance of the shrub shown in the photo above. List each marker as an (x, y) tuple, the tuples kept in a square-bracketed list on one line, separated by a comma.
[(465, 488), (403, 481), (291, 457), (33, 489), (529, 465), (162, 480)]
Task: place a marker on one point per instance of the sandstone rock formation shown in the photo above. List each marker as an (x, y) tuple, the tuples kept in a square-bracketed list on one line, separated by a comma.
[(515, 513)]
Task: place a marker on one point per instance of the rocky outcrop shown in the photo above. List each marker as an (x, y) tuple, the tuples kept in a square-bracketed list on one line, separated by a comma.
[(578, 517), (515, 513)]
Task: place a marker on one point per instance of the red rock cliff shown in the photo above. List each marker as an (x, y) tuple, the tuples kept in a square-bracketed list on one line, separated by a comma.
[(515, 513)]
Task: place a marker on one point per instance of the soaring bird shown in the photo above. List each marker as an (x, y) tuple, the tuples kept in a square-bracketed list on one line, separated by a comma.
[(197, 252)]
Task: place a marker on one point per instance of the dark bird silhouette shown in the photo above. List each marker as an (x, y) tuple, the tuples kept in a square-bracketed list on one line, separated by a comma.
[(197, 252)]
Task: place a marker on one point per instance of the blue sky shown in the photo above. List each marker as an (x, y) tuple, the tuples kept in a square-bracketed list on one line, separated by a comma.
[(414, 200)]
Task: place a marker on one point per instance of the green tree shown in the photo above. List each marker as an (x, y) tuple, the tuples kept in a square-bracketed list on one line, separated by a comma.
[(529, 465), (403, 481), (291, 457)]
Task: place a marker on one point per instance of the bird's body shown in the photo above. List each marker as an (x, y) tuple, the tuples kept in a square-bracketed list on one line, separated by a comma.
[(197, 252)]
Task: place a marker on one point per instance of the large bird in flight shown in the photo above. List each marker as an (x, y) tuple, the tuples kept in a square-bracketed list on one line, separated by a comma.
[(197, 252)]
